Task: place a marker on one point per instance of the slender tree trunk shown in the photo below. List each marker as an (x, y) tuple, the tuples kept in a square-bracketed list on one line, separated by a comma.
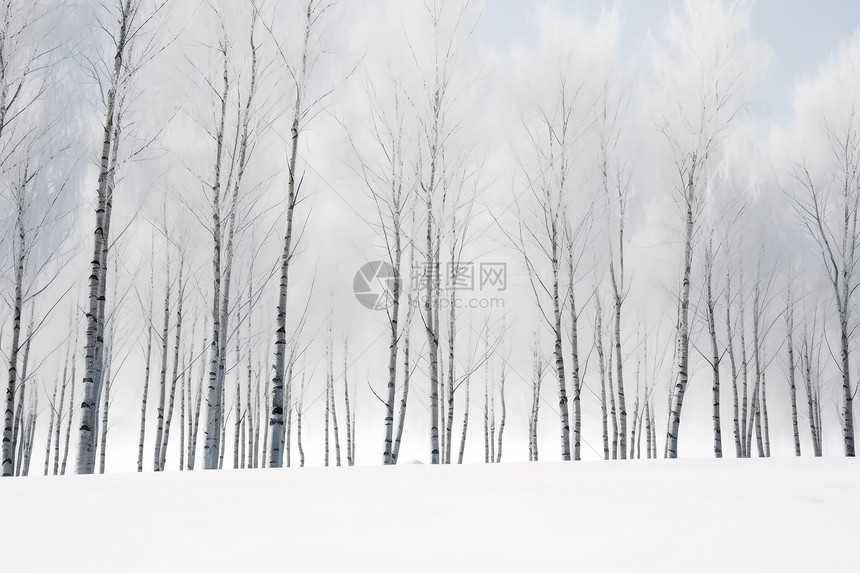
[(648, 428), (288, 408), (486, 418), (176, 371), (601, 364), (715, 352), (149, 330), (731, 349), (107, 383), (745, 379), (162, 389), (212, 445), (387, 454), (574, 363), (97, 280), (8, 449), (619, 363), (810, 395), (194, 422), (492, 417), (70, 416), (684, 334), (299, 422), (239, 424), (60, 408), (404, 395), (51, 425), (350, 461), (332, 395), (276, 455), (452, 317), (264, 428), (20, 428), (563, 408), (764, 414), (535, 406), (504, 415), (465, 421), (612, 412), (792, 387)]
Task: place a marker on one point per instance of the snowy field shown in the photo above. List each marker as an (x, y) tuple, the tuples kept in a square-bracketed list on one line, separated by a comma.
[(684, 515)]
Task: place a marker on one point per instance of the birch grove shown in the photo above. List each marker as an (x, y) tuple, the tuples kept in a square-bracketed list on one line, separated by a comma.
[(317, 223)]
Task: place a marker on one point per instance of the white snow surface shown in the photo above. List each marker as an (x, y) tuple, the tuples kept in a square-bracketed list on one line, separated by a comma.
[(663, 515)]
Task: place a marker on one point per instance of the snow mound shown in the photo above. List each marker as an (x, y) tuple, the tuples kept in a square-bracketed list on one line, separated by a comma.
[(682, 515)]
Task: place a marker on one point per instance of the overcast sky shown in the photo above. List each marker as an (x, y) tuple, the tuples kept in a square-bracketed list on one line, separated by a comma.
[(801, 34)]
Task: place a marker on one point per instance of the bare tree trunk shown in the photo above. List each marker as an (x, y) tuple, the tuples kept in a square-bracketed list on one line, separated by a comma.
[(29, 435), (504, 415), (185, 385), (288, 407), (51, 425), (684, 328), (20, 247), (332, 395), (149, 330), (492, 416), (299, 414), (745, 420), (465, 421), (404, 395), (162, 389), (648, 428), (601, 364), (194, 421), (60, 407), (222, 433), (756, 397), (619, 363), (264, 428), (107, 383), (535, 405), (635, 415), (564, 411), (176, 370), (452, 331), (715, 352), (214, 392), (239, 422), (71, 414), (739, 452), (574, 361), (612, 411), (789, 319), (487, 437), (20, 430), (98, 276), (349, 427), (327, 399), (764, 414), (806, 360), (276, 455)]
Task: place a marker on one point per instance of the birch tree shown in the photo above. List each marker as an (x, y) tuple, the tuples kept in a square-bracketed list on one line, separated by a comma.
[(828, 205), (302, 112), (128, 23), (702, 78)]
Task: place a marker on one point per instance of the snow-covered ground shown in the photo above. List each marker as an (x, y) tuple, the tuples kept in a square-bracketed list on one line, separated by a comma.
[(686, 515)]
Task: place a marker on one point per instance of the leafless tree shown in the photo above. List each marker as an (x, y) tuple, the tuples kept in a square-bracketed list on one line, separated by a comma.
[(828, 208)]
